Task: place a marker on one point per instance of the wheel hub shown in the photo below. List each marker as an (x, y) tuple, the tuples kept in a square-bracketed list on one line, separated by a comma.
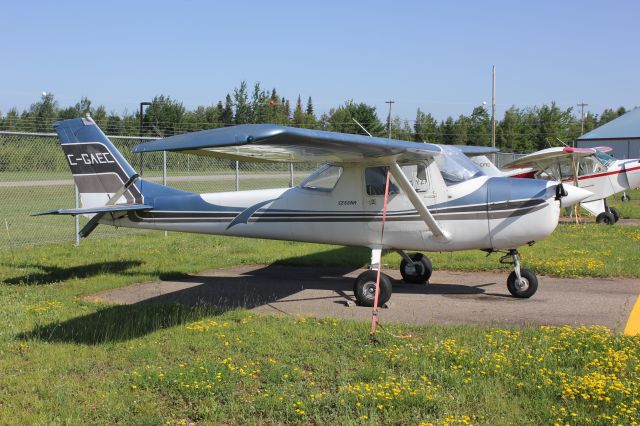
[(370, 288), (414, 269), (522, 284)]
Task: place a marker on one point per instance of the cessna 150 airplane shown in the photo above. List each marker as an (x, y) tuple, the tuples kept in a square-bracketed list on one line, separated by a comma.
[(438, 199), (589, 168)]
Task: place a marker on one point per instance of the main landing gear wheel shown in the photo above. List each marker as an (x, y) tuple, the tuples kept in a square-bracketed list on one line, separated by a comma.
[(364, 288), (606, 218), (418, 271), (525, 287)]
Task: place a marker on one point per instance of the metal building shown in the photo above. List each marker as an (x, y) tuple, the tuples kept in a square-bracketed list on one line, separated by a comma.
[(621, 134)]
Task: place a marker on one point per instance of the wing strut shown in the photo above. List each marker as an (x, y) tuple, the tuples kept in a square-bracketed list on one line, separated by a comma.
[(413, 196)]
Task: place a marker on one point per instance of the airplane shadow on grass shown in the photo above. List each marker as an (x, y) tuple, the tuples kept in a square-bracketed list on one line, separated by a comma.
[(182, 298), (54, 274)]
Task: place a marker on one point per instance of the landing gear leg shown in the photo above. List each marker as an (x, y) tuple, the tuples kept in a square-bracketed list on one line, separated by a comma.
[(612, 210), (522, 283), (415, 268), (364, 287)]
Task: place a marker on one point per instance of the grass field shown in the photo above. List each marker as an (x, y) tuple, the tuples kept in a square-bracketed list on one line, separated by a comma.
[(68, 361)]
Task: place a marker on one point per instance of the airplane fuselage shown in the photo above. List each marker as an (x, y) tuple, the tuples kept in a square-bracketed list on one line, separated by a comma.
[(479, 213)]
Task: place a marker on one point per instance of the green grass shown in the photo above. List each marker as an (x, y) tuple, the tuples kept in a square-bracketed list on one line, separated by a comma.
[(68, 361), (627, 209)]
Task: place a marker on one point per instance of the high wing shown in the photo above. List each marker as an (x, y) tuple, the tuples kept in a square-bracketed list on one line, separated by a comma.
[(540, 159), (270, 142)]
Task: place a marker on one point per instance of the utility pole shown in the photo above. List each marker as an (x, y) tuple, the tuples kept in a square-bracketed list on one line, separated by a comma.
[(582, 105), (389, 116), (493, 110), (142, 105)]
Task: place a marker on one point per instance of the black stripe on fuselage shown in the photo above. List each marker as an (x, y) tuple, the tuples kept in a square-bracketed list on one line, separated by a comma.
[(479, 212)]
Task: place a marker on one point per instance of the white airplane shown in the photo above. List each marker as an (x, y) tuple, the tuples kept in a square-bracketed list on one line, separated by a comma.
[(589, 168), (438, 200)]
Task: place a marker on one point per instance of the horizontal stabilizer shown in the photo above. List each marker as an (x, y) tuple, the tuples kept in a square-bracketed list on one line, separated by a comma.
[(103, 209)]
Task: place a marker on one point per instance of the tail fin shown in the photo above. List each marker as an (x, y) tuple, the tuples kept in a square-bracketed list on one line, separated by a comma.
[(98, 169), (486, 165)]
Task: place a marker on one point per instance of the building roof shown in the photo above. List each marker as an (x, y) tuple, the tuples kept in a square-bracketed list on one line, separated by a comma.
[(626, 126)]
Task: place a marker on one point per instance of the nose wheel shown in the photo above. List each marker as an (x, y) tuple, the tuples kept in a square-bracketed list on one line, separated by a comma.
[(522, 283)]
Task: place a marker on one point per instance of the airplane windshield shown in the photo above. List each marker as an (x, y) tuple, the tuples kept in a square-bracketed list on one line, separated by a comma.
[(456, 167), (604, 159)]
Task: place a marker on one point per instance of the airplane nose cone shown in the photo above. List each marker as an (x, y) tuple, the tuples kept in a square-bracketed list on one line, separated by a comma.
[(574, 195)]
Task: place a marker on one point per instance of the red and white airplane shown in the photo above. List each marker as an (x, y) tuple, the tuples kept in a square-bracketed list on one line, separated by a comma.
[(589, 168)]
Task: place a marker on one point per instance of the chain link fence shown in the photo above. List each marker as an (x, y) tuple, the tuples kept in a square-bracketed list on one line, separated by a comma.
[(34, 176)]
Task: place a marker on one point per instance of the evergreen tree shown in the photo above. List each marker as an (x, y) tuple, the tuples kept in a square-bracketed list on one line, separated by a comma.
[(447, 131), (226, 117), (309, 110), (480, 130), (425, 128), (298, 114), (341, 119), (43, 112), (241, 101), (261, 110), (163, 117)]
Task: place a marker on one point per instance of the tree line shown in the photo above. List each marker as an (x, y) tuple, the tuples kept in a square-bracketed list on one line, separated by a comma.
[(519, 130)]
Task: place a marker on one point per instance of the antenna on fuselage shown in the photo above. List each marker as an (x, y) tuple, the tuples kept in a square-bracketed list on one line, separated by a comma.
[(361, 126)]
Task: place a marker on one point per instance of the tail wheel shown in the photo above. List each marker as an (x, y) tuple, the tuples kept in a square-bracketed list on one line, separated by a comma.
[(364, 288), (527, 286), (417, 272), (606, 218)]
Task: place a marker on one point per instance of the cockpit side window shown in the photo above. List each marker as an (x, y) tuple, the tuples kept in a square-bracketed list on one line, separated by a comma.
[(375, 179), (417, 175), (588, 166), (324, 179)]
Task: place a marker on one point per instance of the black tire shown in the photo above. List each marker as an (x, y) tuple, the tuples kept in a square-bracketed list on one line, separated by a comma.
[(625, 197), (615, 213), (528, 289), (606, 218), (364, 288), (423, 269)]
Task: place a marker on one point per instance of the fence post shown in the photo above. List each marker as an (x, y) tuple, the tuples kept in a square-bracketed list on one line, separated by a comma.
[(290, 175), (77, 217), (237, 175), (164, 173)]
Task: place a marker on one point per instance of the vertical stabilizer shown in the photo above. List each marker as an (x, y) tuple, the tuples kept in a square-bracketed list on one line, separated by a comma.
[(98, 169)]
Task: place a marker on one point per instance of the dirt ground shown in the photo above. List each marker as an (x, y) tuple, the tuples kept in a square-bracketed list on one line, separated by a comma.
[(449, 298)]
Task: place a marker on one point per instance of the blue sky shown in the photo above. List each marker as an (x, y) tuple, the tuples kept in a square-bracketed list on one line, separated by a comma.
[(433, 55)]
